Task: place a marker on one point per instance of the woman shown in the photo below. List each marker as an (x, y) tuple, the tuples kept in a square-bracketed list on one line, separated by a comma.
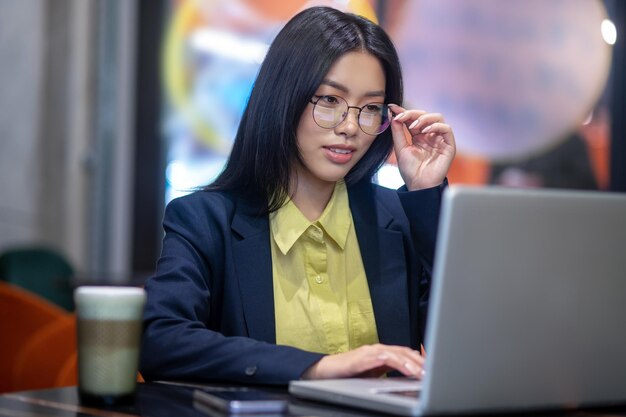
[(292, 264)]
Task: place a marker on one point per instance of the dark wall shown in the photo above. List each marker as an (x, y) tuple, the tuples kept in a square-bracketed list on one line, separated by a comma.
[(149, 175), (617, 10)]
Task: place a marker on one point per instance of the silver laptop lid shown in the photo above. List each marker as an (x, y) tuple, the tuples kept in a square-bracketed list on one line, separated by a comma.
[(528, 305)]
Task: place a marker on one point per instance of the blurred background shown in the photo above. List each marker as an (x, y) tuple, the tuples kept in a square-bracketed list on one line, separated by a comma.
[(111, 108)]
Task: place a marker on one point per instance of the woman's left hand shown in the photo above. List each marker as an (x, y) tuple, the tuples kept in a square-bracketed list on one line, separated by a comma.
[(424, 146)]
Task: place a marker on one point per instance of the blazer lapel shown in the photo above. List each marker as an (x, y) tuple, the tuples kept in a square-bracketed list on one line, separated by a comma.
[(253, 263), (382, 251)]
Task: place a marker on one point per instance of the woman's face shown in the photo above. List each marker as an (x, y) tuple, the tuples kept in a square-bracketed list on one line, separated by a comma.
[(329, 154)]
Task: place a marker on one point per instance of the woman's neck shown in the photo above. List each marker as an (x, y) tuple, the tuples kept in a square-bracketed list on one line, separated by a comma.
[(311, 197)]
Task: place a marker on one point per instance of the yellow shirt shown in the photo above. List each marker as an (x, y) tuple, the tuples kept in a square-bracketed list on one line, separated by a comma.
[(321, 297)]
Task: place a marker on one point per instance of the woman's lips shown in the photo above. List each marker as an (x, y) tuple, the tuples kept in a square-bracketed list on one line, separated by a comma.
[(339, 155)]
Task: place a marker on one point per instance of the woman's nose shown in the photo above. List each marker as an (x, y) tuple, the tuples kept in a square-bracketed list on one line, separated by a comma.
[(350, 123)]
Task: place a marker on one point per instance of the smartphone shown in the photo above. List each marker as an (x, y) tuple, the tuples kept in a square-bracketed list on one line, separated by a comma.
[(241, 402)]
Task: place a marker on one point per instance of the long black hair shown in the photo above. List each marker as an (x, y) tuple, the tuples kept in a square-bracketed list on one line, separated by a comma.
[(296, 63)]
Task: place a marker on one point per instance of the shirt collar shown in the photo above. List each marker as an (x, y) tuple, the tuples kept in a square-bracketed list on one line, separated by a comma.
[(288, 223)]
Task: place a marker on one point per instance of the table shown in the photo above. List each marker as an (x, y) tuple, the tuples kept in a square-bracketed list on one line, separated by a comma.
[(175, 400), (153, 399)]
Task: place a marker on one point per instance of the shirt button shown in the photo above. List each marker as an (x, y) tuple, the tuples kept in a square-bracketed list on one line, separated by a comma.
[(319, 279), (317, 234)]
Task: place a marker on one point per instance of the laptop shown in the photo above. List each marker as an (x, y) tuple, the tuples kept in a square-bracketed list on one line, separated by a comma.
[(527, 309)]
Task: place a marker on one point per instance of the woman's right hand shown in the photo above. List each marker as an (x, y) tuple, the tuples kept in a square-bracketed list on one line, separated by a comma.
[(368, 361)]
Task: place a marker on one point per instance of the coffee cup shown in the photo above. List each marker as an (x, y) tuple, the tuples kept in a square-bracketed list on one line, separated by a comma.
[(109, 324)]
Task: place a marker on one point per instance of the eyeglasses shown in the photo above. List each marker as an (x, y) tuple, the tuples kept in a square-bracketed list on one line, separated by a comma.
[(330, 111)]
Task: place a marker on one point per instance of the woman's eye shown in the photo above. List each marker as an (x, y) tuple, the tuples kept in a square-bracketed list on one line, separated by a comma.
[(373, 108), (330, 99)]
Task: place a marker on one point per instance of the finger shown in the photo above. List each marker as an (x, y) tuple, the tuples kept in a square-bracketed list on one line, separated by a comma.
[(437, 127), (400, 135), (416, 356), (402, 117), (393, 361), (379, 359), (410, 354), (413, 360), (396, 109), (409, 116), (404, 364), (425, 120), (432, 141), (437, 133)]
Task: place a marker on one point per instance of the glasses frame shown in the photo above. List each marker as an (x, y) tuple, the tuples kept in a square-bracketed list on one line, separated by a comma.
[(345, 116)]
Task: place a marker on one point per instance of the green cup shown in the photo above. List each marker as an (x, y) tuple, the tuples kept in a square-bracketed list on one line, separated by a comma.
[(109, 321)]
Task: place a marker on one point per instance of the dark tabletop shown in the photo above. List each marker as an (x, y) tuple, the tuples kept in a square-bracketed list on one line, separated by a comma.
[(175, 400)]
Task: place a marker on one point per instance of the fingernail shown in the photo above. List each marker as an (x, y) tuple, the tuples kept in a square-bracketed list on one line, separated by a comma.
[(415, 123), (410, 367), (426, 129), (398, 116)]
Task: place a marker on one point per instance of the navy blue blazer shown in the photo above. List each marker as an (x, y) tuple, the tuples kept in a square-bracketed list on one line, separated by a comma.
[(210, 308)]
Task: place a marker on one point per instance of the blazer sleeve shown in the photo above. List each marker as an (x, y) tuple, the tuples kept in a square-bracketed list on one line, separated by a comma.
[(181, 338), (422, 209)]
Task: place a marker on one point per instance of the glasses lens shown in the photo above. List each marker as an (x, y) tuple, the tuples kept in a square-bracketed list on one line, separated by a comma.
[(374, 118), (329, 111)]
